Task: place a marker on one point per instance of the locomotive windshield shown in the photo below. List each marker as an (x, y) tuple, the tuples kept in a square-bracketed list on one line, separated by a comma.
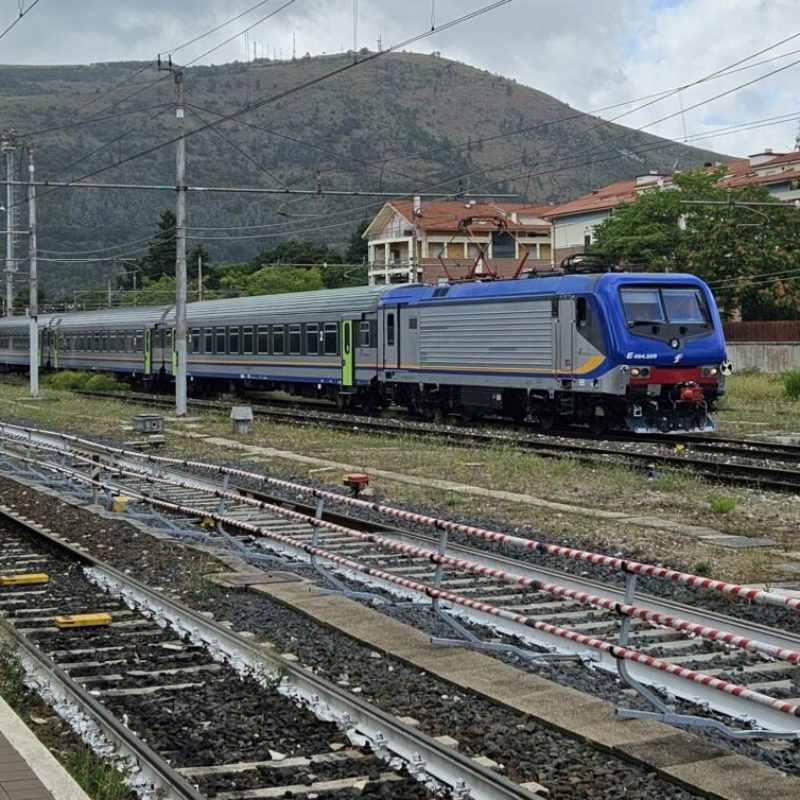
[(658, 306)]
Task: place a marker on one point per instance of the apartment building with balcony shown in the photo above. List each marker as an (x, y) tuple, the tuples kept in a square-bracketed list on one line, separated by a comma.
[(413, 241)]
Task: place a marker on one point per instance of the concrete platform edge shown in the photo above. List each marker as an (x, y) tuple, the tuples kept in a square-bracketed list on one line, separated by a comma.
[(54, 777)]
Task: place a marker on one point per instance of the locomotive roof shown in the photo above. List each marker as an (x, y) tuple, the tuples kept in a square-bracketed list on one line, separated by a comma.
[(413, 294)]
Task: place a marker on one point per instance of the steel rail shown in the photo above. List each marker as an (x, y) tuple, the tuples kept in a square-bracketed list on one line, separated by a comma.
[(727, 697), (767, 478), (708, 625), (383, 731), (59, 688), (505, 575), (613, 562)]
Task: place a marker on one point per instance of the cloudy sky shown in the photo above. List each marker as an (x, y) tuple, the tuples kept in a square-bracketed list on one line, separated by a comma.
[(600, 56)]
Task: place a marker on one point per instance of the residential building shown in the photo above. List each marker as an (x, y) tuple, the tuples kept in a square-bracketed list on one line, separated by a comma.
[(412, 241), (574, 222)]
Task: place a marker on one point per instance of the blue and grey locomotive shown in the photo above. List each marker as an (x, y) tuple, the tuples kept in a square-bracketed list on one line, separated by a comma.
[(641, 352)]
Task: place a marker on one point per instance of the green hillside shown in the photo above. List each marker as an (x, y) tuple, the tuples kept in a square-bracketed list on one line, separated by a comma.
[(403, 122)]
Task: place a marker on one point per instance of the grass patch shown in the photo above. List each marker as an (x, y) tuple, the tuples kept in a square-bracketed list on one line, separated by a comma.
[(722, 504), (98, 777), (791, 385)]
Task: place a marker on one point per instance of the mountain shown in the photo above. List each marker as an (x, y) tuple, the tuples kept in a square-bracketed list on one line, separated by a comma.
[(401, 122)]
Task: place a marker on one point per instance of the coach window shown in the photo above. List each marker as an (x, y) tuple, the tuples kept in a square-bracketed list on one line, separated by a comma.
[(312, 338), (208, 336), (104, 342), (331, 330), (247, 339), (219, 340), (233, 341), (390, 330), (194, 341), (364, 334), (294, 340), (263, 339), (137, 341), (277, 340)]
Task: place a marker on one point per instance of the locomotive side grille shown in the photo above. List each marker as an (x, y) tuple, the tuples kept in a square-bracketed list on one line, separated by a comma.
[(503, 334)]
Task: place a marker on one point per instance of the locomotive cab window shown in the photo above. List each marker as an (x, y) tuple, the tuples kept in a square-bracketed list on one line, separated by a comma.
[(581, 312), (658, 306)]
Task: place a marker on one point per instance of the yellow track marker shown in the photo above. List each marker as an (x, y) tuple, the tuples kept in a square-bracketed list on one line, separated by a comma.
[(82, 620), (119, 503), (24, 580)]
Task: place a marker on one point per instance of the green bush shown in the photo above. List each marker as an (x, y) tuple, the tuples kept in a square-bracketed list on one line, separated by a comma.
[(791, 385), (102, 381), (68, 379), (92, 381), (722, 504)]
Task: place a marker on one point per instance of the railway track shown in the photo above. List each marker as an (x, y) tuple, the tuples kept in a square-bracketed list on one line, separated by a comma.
[(221, 717), (470, 579), (741, 462)]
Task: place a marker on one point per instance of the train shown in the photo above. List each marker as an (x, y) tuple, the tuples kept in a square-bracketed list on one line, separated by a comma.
[(641, 352)]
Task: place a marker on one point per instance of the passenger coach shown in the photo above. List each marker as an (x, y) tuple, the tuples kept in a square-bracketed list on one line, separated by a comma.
[(635, 351)]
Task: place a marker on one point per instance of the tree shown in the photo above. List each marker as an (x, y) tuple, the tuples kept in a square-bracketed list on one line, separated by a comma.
[(742, 251), (23, 296), (160, 258), (357, 250)]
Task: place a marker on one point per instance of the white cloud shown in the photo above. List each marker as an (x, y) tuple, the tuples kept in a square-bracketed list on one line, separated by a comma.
[(589, 54)]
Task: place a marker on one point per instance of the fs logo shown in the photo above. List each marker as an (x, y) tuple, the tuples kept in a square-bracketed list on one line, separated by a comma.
[(678, 358)]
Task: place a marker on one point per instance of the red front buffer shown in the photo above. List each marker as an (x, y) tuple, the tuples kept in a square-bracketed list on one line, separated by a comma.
[(692, 393)]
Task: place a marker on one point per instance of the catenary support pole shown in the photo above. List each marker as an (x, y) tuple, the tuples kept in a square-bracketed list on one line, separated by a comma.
[(9, 146), (34, 282), (180, 253)]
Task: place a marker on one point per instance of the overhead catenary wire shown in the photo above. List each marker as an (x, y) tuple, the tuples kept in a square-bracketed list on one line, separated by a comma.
[(22, 13)]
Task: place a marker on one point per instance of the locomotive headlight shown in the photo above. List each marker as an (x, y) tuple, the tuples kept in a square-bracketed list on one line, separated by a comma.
[(635, 372), (709, 372), (674, 343)]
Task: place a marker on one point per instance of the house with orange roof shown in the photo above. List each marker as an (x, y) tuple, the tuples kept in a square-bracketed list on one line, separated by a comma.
[(414, 241), (574, 222)]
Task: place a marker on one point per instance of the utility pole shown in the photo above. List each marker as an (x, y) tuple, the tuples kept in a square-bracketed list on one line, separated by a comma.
[(8, 147), (34, 283), (199, 277), (179, 337), (180, 253)]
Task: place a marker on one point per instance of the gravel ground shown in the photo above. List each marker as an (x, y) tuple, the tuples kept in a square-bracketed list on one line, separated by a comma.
[(570, 769), (222, 719)]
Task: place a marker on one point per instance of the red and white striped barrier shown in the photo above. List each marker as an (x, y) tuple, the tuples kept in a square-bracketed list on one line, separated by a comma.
[(612, 562)]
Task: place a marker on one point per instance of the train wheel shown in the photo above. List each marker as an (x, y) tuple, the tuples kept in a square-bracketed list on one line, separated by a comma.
[(598, 424), (547, 418)]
